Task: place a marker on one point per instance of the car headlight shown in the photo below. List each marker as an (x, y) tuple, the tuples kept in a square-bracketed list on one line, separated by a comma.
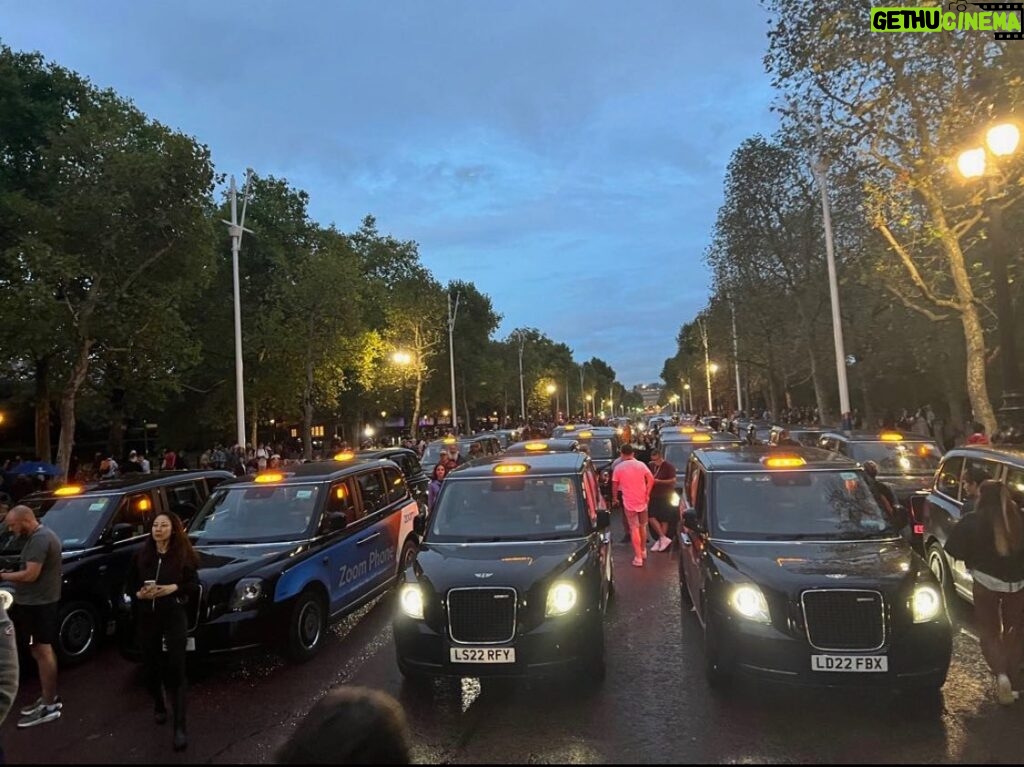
[(750, 603), (926, 603), (562, 597), (411, 599), (247, 592)]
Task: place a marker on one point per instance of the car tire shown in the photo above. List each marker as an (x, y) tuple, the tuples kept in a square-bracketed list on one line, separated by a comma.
[(717, 670), (78, 633), (307, 625), (939, 566), (408, 554)]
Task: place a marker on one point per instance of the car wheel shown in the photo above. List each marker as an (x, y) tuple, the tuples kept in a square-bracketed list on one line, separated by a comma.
[(408, 554), (78, 633), (306, 627), (939, 566), (717, 670)]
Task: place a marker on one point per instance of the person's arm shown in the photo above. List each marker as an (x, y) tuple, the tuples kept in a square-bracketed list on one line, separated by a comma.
[(8, 665), (29, 575), (649, 482)]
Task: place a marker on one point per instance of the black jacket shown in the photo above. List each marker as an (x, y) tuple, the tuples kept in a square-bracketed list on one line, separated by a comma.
[(973, 541), (165, 570)]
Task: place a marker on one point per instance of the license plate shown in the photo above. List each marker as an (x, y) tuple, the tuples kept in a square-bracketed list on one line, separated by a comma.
[(850, 663), (483, 654), (190, 644)]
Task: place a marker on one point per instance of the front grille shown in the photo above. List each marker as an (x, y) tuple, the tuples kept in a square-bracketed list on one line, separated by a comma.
[(482, 616), (843, 620)]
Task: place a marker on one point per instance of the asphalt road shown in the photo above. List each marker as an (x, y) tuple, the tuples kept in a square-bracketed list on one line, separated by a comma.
[(654, 706)]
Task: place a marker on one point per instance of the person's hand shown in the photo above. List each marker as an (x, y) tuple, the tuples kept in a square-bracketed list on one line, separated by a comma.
[(146, 592), (164, 591)]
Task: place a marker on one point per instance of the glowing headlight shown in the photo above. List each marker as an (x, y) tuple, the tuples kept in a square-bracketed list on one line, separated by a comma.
[(675, 499), (927, 604), (247, 591), (411, 599), (749, 602), (561, 599)]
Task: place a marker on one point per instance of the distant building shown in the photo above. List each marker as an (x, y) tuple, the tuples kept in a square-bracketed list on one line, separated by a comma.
[(651, 394)]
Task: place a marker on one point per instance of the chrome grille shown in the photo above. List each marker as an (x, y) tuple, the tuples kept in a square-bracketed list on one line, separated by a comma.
[(844, 619), (482, 615)]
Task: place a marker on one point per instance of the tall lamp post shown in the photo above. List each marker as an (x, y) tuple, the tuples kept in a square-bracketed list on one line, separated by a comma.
[(404, 360), (689, 396), (1001, 140), (236, 226), (588, 408), (452, 314), (521, 338), (554, 403), (710, 368)]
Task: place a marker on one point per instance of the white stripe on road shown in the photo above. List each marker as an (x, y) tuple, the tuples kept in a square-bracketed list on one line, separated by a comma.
[(971, 634)]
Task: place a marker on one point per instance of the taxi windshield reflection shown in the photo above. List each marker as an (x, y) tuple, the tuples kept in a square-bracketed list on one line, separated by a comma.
[(507, 509), (75, 520), (256, 514), (816, 505), (899, 457)]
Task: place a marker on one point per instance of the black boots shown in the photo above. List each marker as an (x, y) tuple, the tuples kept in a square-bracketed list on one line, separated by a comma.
[(180, 736)]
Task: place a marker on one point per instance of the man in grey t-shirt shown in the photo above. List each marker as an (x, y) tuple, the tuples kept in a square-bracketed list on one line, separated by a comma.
[(36, 600)]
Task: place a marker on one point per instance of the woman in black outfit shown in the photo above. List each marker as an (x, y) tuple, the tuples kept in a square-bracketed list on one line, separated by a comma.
[(163, 579)]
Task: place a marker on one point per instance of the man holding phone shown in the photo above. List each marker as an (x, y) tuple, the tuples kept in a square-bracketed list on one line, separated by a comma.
[(36, 598)]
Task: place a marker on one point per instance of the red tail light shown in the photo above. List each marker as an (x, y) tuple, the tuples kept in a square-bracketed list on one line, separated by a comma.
[(918, 529)]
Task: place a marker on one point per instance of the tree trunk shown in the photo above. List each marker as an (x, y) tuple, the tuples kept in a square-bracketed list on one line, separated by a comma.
[(68, 399), (115, 436), (417, 403), (869, 406), (819, 388), (44, 450), (254, 426), (307, 411), (465, 404)]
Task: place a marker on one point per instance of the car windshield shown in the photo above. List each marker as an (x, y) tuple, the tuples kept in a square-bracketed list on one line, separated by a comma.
[(76, 520), (677, 453), (793, 505), (599, 448), (509, 508), (432, 455), (808, 438), (899, 457), (256, 514)]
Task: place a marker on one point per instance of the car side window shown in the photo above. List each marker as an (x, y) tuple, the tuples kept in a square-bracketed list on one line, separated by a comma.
[(843, 447), (701, 494), (591, 495), (991, 468), (136, 509), (373, 490), (947, 480), (1015, 481), (340, 502), (185, 499), (397, 491)]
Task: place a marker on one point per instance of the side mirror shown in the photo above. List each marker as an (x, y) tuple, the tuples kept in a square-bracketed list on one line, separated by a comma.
[(121, 532), (690, 519), (604, 519), (419, 525)]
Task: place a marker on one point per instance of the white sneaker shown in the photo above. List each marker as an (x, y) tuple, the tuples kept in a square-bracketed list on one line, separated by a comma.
[(1004, 690), (656, 546), (666, 544)]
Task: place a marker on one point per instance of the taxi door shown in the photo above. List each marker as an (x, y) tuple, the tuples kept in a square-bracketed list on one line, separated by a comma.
[(693, 540), (377, 541), (340, 527)]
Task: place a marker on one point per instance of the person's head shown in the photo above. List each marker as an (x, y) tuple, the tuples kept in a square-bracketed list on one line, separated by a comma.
[(21, 520), (350, 725), (440, 471), (784, 434), (871, 469), (973, 478), (656, 457), (453, 451), (626, 451), (476, 449), (997, 508), (167, 529)]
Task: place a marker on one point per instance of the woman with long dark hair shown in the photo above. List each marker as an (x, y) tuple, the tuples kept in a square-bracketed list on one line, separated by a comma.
[(436, 479), (990, 540), (163, 579)]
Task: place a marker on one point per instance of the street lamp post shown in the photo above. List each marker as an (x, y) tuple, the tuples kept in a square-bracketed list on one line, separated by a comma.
[(521, 338), (554, 403), (1000, 141), (452, 314), (587, 408), (236, 227), (711, 368)]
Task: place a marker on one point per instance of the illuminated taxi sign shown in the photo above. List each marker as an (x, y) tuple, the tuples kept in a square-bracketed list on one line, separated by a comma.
[(687, 430), (144, 504), (784, 462), (701, 438), (586, 434), (271, 476), (346, 455), (69, 490), (449, 440), (536, 446), (511, 468), (891, 436), (570, 427)]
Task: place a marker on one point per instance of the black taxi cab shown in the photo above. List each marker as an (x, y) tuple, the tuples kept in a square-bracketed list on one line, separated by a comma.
[(796, 575), (513, 575), (283, 553), (677, 447), (546, 445), (569, 430), (785, 436), (489, 445), (407, 460), (943, 506), (101, 525)]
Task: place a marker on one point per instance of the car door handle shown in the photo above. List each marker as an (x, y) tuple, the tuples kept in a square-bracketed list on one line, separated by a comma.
[(367, 539), (685, 539)]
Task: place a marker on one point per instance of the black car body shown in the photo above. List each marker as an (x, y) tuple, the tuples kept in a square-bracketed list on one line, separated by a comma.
[(945, 499), (569, 430), (284, 552), (513, 575), (101, 525), (807, 436), (796, 575), (506, 436), (677, 447), (409, 462), (489, 446)]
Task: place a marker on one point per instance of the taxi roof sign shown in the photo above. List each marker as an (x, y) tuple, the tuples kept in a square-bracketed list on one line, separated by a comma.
[(345, 455), (891, 436), (68, 490), (536, 446), (784, 462), (586, 434), (511, 468), (687, 430), (701, 438), (449, 440), (570, 427), (270, 476)]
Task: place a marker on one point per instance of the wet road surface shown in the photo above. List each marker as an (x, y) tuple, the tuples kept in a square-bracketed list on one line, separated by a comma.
[(654, 706)]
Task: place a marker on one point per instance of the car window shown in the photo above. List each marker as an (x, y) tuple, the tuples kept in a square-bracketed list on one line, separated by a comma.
[(259, 514), (1015, 481), (340, 502), (185, 499), (508, 508), (600, 447), (947, 480), (397, 491), (136, 510), (990, 468), (76, 520), (900, 457), (375, 494)]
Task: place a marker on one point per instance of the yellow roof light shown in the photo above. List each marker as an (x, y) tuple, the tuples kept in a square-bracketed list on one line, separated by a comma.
[(144, 504), (585, 434), (784, 462), (891, 436), (271, 476), (69, 490), (687, 430), (346, 455), (701, 438), (511, 468), (450, 440), (536, 446), (570, 427)]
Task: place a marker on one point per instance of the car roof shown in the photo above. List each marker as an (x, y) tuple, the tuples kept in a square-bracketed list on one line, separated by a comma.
[(384, 452), (316, 470), (750, 457), (462, 439), (781, 427), (875, 436), (136, 481), (554, 445), (716, 436), (1013, 455), (538, 463)]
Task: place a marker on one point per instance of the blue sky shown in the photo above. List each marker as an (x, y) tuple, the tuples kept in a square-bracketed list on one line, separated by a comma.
[(567, 157)]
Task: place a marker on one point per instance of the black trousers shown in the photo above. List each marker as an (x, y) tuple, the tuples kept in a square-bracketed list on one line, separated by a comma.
[(163, 670)]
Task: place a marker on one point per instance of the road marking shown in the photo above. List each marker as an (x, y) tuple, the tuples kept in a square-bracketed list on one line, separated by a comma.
[(971, 634)]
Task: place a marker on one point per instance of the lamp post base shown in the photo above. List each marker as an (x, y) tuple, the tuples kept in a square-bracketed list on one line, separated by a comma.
[(1011, 419)]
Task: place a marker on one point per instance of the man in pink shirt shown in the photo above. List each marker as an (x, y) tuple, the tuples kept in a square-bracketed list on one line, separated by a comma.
[(635, 481)]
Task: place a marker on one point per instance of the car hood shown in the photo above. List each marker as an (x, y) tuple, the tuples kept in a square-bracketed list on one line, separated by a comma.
[(224, 563), (518, 565), (793, 567)]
